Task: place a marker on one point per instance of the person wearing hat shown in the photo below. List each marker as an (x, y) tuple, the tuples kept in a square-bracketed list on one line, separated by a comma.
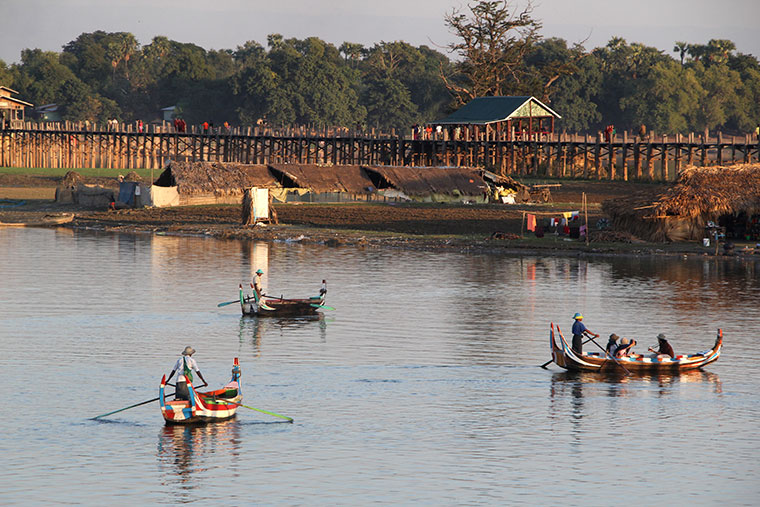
[(185, 365), (579, 331), (256, 285), (625, 347), (612, 344), (664, 347)]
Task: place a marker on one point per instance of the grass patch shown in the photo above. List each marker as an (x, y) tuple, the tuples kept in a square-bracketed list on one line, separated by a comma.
[(87, 172)]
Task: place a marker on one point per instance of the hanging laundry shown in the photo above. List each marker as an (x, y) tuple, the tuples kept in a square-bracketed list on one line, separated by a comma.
[(582, 230), (531, 222)]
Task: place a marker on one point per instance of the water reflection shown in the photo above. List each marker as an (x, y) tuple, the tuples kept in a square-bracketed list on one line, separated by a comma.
[(255, 329), (185, 452)]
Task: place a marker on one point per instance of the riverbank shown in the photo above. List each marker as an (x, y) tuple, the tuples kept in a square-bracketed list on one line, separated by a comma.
[(428, 226)]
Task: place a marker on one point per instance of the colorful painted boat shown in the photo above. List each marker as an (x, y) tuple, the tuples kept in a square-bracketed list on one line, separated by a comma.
[(564, 356), (268, 306), (203, 407)]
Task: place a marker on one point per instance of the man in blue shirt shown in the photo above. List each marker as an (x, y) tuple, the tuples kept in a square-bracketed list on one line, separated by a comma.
[(579, 331)]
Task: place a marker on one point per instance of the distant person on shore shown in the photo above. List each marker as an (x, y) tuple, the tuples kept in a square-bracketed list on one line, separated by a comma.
[(663, 347), (579, 331), (185, 365)]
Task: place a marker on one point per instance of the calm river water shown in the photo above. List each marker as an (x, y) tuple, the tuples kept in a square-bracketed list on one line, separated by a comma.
[(422, 387)]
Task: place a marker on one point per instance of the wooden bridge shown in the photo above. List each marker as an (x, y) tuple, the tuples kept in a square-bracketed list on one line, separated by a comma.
[(660, 157)]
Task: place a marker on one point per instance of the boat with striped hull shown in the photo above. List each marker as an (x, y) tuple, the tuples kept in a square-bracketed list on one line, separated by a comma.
[(205, 407), (564, 356)]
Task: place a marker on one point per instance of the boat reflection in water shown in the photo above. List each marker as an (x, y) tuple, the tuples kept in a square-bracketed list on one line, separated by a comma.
[(618, 382), (186, 451), (257, 328)]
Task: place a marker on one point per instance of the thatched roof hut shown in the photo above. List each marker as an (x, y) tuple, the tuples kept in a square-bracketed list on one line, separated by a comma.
[(434, 183), (350, 179), (680, 213), (214, 182)]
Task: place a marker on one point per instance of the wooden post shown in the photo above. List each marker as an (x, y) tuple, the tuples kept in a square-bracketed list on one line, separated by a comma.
[(650, 160), (611, 154), (585, 157), (664, 157), (597, 157)]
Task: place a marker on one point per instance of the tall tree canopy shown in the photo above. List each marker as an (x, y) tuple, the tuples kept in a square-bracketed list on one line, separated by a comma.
[(392, 85)]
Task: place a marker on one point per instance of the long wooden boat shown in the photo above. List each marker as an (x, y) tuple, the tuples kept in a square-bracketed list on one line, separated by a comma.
[(268, 306), (564, 356), (203, 407), (48, 220)]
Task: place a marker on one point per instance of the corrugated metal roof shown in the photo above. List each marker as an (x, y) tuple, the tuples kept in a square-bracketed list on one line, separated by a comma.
[(484, 110)]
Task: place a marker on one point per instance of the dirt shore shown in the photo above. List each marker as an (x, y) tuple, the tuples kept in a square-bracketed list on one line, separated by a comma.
[(482, 227)]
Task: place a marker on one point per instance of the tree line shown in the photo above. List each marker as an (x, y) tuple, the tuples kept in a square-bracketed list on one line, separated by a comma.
[(498, 50)]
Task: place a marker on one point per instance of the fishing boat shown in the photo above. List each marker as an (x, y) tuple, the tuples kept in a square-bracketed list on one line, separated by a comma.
[(269, 306), (47, 220), (203, 407), (564, 357)]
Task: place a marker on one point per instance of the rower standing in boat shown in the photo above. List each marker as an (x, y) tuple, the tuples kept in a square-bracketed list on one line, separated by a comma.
[(256, 285), (185, 366), (579, 331)]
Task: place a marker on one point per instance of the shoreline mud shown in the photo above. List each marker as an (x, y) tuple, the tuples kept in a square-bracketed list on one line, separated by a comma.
[(476, 228)]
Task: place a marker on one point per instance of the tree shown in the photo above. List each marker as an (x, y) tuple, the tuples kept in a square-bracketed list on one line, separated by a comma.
[(682, 48), (492, 44)]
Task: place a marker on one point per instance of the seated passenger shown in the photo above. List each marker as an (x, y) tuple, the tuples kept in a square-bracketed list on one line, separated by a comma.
[(625, 347), (664, 347), (612, 344)]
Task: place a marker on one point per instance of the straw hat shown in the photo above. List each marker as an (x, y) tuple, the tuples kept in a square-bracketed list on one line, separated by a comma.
[(189, 351), (614, 337), (625, 341), (661, 337)]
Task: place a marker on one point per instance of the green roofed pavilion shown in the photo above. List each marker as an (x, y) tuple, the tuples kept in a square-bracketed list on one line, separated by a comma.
[(521, 115)]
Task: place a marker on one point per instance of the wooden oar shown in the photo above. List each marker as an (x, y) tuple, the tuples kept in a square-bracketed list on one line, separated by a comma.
[(551, 360), (127, 408), (608, 356), (229, 402)]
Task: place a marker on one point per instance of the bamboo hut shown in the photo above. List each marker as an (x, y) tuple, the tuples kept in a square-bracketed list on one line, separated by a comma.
[(727, 196)]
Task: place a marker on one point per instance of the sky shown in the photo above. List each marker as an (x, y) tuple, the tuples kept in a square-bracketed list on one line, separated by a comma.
[(227, 24)]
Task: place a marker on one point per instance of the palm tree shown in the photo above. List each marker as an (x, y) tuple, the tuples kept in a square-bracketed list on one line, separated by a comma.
[(681, 47)]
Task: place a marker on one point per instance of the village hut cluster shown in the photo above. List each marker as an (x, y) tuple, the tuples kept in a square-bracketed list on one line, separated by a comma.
[(225, 183), (717, 202)]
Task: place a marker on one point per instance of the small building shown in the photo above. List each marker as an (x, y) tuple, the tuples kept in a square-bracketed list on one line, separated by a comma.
[(510, 117), (48, 112), (11, 109), (703, 198), (169, 113)]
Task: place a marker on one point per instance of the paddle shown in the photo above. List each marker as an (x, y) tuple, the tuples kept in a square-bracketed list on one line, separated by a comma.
[(228, 303), (322, 306), (127, 408), (610, 356), (551, 360), (229, 402)]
